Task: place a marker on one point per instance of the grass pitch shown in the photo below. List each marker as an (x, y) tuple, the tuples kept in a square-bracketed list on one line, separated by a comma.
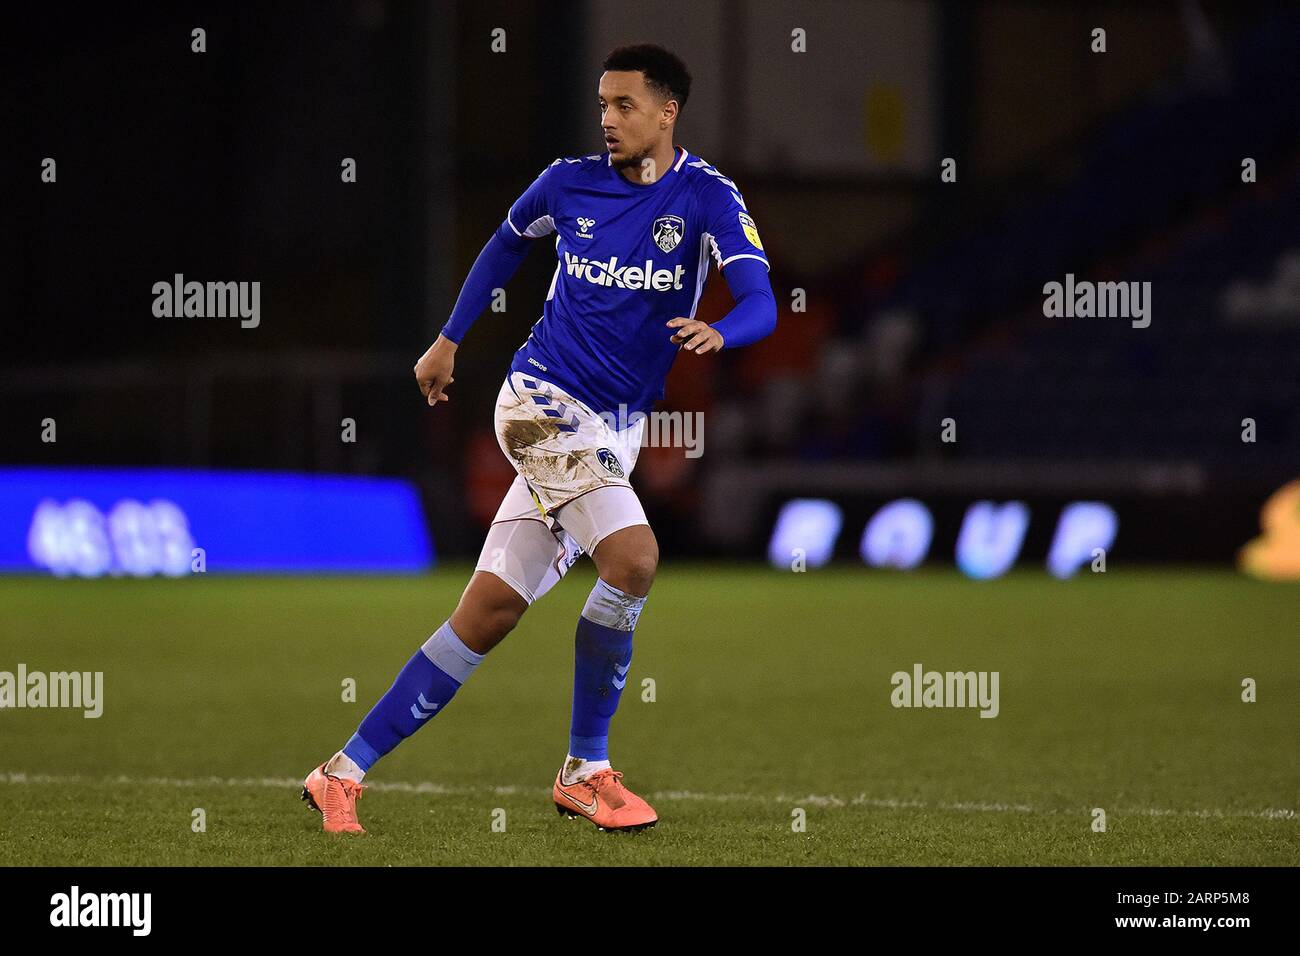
[(771, 695)]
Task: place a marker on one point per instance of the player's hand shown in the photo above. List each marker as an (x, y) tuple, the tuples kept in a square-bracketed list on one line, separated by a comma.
[(433, 371), (696, 336)]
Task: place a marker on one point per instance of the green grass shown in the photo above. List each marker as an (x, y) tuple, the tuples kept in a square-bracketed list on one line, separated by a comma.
[(1119, 691)]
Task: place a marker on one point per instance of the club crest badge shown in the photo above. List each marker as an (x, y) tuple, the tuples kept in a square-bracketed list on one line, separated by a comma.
[(610, 461), (667, 232)]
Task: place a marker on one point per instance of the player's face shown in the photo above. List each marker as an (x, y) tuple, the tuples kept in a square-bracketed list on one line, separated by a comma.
[(630, 115)]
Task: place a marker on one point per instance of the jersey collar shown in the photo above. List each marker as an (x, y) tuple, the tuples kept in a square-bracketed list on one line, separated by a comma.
[(676, 167)]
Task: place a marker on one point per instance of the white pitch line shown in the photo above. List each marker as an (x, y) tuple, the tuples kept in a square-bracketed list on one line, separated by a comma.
[(811, 799)]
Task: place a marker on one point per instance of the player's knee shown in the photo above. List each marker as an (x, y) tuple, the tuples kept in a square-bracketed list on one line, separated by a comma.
[(488, 611), (502, 618), (632, 569), (640, 574), (498, 611)]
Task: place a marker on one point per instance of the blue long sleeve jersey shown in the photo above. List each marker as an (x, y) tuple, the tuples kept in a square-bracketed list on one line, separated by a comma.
[(630, 257)]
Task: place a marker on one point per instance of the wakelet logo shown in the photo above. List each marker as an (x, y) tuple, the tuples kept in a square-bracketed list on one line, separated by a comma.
[(208, 300), (56, 689), (624, 277), (103, 909), (1127, 300), (951, 689)]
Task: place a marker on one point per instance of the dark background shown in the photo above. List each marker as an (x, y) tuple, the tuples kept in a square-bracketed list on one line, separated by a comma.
[(924, 298)]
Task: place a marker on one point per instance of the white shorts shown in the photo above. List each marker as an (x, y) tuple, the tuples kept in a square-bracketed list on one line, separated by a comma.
[(572, 488)]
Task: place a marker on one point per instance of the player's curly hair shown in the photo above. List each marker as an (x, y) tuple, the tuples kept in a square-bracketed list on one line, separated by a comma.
[(665, 73)]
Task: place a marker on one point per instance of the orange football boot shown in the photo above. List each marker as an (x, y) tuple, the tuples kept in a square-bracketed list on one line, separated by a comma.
[(602, 799), (335, 798)]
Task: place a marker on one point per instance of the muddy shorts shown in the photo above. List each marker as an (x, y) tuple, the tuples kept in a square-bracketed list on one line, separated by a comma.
[(572, 488)]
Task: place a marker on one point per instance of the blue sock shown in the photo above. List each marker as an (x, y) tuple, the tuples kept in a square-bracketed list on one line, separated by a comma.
[(603, 654), (423, 688)]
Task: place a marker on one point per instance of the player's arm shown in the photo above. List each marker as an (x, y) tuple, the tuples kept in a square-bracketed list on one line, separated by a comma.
[(496, 263), (740, 255), (753, 317)]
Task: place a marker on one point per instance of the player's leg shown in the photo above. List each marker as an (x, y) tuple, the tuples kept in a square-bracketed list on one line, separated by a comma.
[(489, 608), (611, 523), (577, 465), (423, 688), (520, 560)]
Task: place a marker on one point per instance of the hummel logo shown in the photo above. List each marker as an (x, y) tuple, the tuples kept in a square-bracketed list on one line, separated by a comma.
[(421, 715), (588, 810), (622, 673), (584, 227)]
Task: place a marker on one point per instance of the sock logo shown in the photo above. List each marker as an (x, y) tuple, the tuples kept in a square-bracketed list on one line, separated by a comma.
[(420, 714), (621, 679)]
